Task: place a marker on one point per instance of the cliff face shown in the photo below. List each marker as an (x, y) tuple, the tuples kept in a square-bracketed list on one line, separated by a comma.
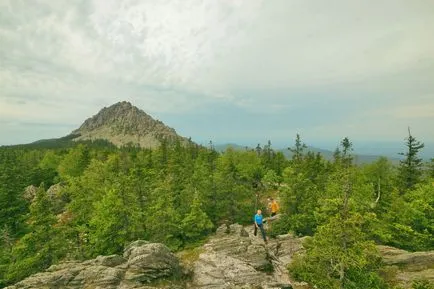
[(122, 124), (232, 258)]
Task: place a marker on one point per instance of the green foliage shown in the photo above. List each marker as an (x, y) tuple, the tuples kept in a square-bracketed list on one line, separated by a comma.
[(163, 222), (113, 222), (235, 178), (177, 193), (6, 244), (36, 251), (303, 184), (271, 179), (430, 169), (75, 162), (340, 255), (411, 219), (422, 284), (331, 263), (410, 169), (196, 224)]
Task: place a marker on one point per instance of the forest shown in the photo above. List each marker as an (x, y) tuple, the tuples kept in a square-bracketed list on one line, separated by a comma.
[(78, 201)]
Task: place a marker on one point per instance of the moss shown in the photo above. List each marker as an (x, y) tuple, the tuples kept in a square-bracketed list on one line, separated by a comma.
[(189, 256)]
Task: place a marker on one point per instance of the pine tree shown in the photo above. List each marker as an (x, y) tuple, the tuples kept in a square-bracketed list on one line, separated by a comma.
[(410, 169), (303, 183), (236, 174), (113, 224), (196, 224), (75, 162), (13, 180), (164, 222), (340, 254), (298, 149), (39, 248), (6, 244), (431, 169)]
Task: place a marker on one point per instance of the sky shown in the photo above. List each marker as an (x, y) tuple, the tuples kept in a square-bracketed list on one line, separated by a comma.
[(241, 71)]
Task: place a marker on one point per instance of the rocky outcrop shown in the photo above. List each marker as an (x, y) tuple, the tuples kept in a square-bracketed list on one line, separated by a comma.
[(149, 262), (56, 195), (403, 268), (30, 193), (141, 265), (124, 124), (234, 258), (54, 192)]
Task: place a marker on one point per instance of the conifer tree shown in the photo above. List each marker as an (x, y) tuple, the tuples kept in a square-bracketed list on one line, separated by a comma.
[(39, 248), (431, 169), (196, 224), (164, 222), (298, 149), (12, 184), (410, 169), (340, 254), (75, 162), (113, 223), (6, 244)]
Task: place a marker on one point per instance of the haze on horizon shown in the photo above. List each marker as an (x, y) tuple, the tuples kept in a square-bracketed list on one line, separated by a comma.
[(222, 70)]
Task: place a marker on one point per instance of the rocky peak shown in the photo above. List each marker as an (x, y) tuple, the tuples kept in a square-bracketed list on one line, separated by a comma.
[(122, 124), (123, 114)]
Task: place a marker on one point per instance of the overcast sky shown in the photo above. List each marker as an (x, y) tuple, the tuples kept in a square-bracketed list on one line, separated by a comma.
[(222, 70)]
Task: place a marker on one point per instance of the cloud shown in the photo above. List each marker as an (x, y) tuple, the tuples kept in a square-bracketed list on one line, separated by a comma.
[(414, 111), (295, 65)]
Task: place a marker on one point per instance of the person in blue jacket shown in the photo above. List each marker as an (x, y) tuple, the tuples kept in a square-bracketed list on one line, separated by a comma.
[(259, 224)]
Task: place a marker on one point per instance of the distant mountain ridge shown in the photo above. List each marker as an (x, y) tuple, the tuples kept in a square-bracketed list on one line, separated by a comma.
[(327, 154), (124, 124)]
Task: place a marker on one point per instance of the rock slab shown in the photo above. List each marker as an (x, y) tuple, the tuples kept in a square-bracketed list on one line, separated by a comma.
[(141, 265)]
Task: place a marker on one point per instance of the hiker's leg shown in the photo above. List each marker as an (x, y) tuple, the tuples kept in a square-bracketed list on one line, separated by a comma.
[(261, 227), (256, 231)]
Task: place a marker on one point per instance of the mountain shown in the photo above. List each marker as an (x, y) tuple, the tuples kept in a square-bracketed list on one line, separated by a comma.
[(124, 124)]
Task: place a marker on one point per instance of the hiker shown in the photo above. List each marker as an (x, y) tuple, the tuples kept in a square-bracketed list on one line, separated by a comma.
[(273, 206), (259, 224)]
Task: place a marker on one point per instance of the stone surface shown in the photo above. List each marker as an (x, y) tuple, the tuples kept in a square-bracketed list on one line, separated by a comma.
[(54, 191), (30, 193), (232, 258), (235, 258), (149, 262), (407, 266), (142, 264)]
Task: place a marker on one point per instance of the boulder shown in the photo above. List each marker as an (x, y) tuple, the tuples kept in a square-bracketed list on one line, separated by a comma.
[(142, 264), (30, 193), (149, 262), (402, 268), (54, 191)]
